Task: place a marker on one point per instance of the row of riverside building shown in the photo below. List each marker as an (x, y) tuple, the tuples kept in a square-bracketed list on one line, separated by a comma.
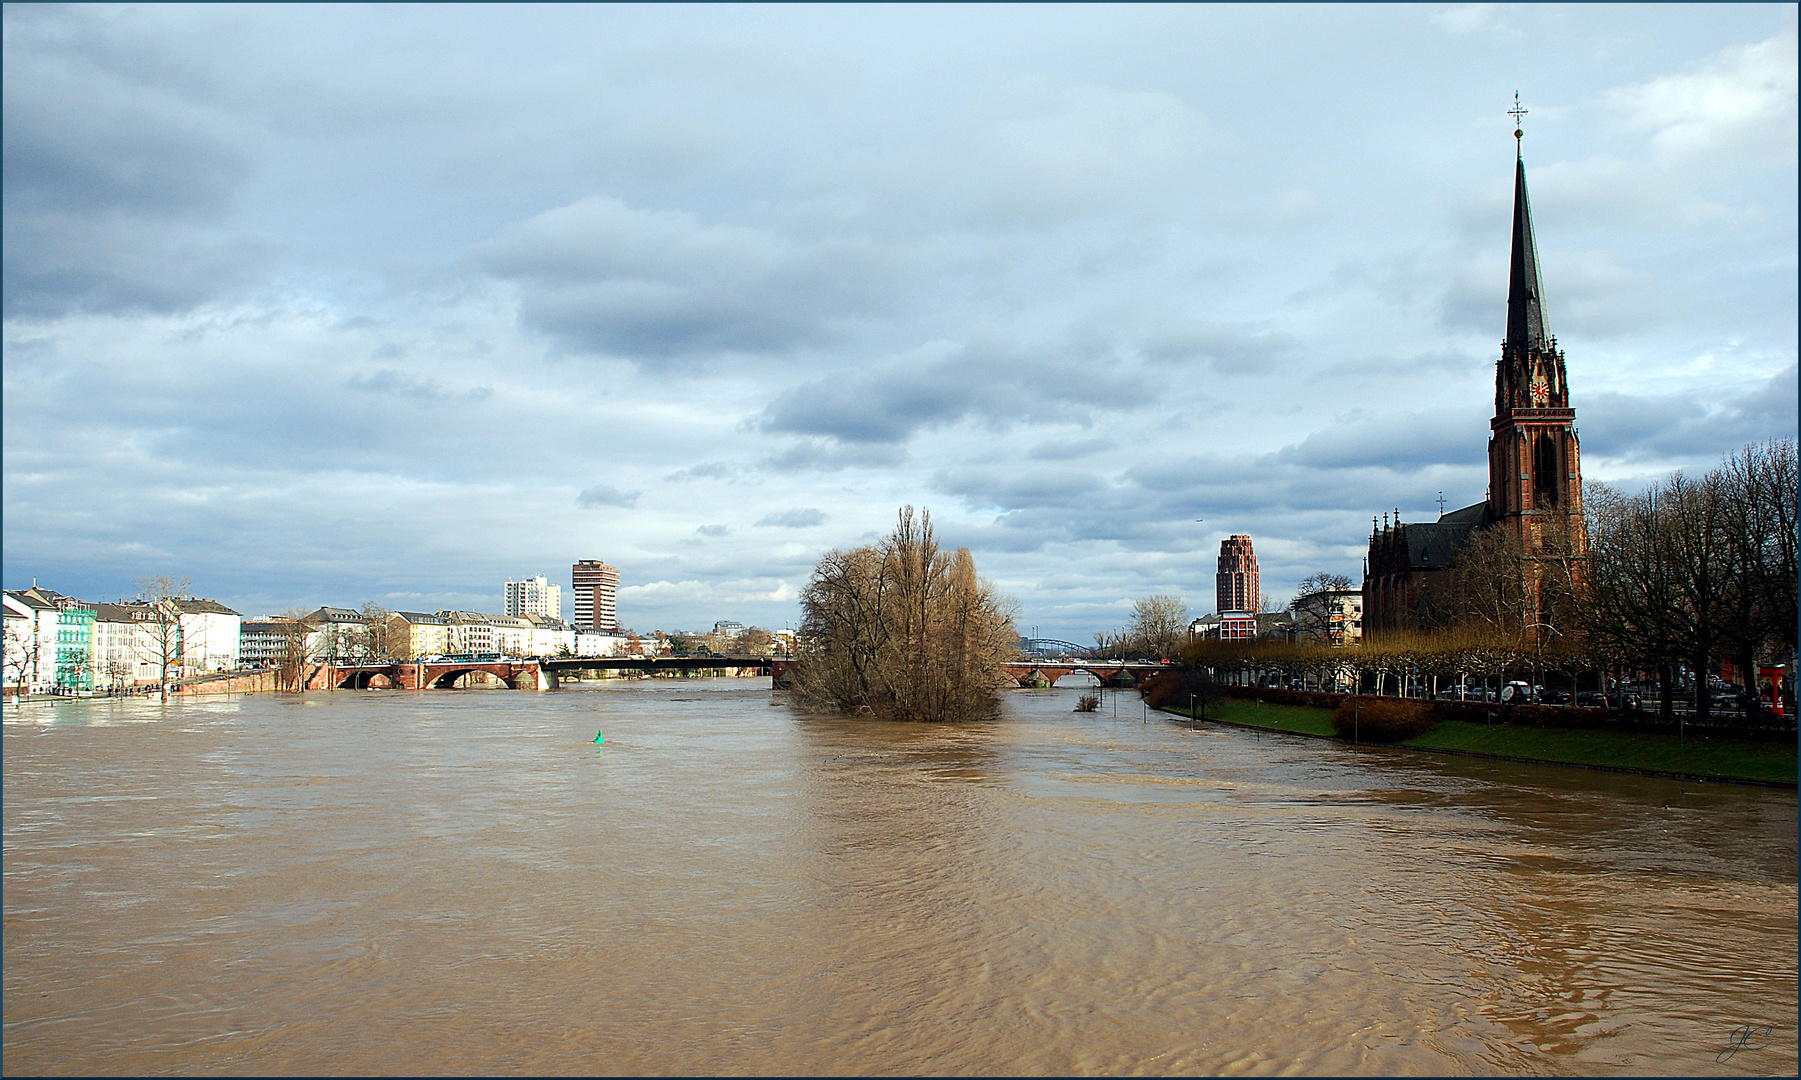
[(58, 644)]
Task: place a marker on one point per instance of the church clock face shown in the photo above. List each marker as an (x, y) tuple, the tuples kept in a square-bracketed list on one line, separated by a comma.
[(1540, 391)]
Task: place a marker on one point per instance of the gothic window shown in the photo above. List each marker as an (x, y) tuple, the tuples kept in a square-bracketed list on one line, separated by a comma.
[(1545, 489)]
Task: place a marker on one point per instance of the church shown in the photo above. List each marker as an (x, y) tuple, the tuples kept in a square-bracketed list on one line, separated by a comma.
[(1534, 464)]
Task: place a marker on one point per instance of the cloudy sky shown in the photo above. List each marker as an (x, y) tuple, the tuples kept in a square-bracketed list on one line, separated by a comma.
[(335, 304)]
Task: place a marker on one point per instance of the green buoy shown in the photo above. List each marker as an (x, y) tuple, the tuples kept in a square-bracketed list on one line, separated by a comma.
[(599, 737)]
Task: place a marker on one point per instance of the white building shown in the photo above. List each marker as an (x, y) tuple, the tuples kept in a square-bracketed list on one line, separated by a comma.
[(549, 637), (534, 596), (209, 635), (30, 628), (592, 642), (469, 631), (337, 634), (126, 647)]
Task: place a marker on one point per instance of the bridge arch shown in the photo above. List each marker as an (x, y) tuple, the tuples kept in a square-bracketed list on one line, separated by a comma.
[(447, 678)]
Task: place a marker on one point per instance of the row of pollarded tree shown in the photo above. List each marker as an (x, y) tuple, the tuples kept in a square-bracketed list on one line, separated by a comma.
[(1690, 572)]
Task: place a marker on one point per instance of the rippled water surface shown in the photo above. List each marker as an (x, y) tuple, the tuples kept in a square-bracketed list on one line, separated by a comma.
[(459, 881)]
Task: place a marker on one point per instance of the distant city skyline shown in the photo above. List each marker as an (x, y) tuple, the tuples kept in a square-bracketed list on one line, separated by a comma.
[(320, 306)]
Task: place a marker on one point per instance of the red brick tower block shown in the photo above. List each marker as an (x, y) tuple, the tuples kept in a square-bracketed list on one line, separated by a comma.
[(1239, 588)]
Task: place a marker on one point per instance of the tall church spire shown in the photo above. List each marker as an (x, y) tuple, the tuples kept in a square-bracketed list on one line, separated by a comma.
[(1525, 292)]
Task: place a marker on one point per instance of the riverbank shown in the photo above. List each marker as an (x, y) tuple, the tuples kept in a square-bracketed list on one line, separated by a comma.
[(1711, 757)]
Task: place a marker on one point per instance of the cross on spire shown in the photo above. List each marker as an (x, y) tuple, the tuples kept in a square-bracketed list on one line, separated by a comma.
[(1516, 112)]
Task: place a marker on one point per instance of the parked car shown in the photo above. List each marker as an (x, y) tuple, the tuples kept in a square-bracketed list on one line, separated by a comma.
[(1590, 699), (1556, 697)]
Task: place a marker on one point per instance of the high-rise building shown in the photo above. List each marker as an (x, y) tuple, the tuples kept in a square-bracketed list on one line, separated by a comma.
[(1239, 588), (596, 594), (534, 596)]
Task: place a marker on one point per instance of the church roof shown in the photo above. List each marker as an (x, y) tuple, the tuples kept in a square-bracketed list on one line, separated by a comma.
[(1434, 546), (1473, 514), (1525, 292)]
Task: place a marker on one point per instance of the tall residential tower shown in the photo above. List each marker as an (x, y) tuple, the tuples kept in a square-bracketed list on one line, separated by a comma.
[(596, 594), (534, 596)]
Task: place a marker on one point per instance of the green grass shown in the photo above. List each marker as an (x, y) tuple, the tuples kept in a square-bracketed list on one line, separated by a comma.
[(1715, 755), (1275, 717)]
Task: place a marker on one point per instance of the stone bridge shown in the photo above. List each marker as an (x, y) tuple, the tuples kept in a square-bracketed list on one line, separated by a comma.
[(1030, 672), (533, 674), (436, 675), (1109, 672)]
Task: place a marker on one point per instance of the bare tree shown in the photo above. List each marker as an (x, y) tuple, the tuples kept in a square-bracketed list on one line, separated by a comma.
[(161, 621), (378, 637), (1630, 591), (755, 641), (24, 648), (1485, 587), (294, 653), (1757, 493), (119, 673), (1322, 582), (1159, 624), (903, 630)]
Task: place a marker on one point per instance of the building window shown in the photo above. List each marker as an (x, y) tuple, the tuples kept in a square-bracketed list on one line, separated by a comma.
[(1545, 486)]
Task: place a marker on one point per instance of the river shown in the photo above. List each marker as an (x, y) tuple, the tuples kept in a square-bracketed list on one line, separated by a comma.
[(461, 882)]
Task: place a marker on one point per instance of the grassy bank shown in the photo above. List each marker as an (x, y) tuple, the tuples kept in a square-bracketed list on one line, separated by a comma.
[(1722, 756), (1716, 755)]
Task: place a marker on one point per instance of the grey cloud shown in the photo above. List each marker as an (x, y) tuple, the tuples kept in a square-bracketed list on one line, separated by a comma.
[(1225, 350), (886, 409), (820, 455), (1666, 428), (1013, 489), (56, 263), (804, 518), (411, 387), (999, 388), (714, 530), (1066, 450), (1404, 443), (706, 470), (604, 495), (89, 141), (604, 278), (114, 186)]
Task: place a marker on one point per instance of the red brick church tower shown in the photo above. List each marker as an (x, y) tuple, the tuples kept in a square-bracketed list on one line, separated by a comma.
[(1534, 467), (1534, 460)]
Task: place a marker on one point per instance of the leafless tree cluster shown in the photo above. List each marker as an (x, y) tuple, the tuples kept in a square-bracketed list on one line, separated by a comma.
[(24, 650), (1321, 582), (1159, 624), (1698, 569), (162, 624), (903, 630), (1159, 628), (294, 653)]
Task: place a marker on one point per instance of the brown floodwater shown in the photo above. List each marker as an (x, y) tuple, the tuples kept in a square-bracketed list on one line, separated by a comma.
[(460, 882)]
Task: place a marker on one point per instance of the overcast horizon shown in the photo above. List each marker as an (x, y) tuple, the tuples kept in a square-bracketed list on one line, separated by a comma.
[(324, 305)]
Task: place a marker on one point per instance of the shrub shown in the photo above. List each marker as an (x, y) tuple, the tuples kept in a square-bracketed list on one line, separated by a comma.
[(1171, 689), (1382, 719)]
